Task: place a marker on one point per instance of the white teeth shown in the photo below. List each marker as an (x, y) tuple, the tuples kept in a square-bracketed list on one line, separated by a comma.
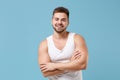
[(59, 26)]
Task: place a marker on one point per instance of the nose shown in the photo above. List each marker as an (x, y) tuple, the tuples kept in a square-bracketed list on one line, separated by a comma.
[(59, 21)]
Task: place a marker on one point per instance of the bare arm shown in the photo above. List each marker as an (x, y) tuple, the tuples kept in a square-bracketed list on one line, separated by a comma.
[(43, 57), (79, 63)]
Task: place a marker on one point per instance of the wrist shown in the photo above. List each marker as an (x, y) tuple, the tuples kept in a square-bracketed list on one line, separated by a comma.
[(54, 65)]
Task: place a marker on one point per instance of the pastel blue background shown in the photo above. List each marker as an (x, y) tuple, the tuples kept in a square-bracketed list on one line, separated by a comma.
[(25, 23)]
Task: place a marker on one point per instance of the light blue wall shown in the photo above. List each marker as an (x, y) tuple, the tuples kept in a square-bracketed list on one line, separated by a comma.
[(25, 23)]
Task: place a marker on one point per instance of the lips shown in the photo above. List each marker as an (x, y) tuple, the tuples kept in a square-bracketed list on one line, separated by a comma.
[(59, 26)]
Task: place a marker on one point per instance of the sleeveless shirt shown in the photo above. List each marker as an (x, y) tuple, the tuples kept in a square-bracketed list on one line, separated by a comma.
[(63, 56)]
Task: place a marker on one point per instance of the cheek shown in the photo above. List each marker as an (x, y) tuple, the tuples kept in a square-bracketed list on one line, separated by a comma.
[(54, 22), (65, 24)]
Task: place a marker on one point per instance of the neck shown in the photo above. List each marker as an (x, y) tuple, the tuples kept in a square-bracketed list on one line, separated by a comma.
[(60, 35)]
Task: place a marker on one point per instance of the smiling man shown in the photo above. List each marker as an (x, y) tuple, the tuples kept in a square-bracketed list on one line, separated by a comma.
[(63, 55)]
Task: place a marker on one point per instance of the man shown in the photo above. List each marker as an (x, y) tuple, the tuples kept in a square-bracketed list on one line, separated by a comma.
[(63, 55)]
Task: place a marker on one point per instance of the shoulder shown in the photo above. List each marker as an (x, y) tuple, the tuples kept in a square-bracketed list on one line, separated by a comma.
[(43, 44), (76, 36), (79, 37), (43, 56), (80, 43)]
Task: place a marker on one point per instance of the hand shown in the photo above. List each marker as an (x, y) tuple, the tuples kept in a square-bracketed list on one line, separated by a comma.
[(76, 55), (47, 67)]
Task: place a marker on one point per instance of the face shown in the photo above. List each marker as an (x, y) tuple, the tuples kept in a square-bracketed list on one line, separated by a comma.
[(60, 22)]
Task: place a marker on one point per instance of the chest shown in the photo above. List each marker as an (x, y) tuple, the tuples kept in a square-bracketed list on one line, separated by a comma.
[(60, 44), (61, 50)]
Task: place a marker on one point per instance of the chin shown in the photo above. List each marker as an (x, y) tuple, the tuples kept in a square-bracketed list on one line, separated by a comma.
[(60, 31)]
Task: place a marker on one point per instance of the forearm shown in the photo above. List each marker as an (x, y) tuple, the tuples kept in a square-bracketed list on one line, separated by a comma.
[(52, 73), (70, 66), (78, 62)]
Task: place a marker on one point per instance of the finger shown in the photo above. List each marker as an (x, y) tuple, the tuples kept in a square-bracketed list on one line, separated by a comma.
[(76, 52), (41, 66), (76, 56), (43, 69), (73, 57)]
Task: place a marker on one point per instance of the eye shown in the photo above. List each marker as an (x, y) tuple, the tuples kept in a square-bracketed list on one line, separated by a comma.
[(64, 19), (56, 19)]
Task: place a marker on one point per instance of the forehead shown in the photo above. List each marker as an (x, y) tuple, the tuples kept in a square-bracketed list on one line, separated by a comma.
[(60, 15)]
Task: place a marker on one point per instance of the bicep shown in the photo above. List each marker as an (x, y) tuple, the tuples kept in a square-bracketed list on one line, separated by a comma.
[(81, 46), (43, 56)]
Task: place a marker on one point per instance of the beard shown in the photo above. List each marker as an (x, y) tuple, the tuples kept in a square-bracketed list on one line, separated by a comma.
[(60, 29)]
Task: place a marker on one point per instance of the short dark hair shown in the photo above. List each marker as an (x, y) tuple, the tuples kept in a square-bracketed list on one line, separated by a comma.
[(62, 10)]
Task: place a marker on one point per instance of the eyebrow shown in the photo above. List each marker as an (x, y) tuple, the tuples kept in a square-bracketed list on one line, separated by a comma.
[(57, 17)]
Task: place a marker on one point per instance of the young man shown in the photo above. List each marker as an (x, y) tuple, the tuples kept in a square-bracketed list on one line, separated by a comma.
[(63, 55)]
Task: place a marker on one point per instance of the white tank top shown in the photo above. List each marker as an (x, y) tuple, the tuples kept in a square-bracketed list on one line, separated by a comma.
[(63, 56)]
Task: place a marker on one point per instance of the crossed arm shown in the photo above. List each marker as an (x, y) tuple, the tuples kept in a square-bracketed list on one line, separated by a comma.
[(77, 62), (43, 58)]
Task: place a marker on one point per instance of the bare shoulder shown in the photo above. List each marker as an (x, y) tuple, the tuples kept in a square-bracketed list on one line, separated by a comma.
[(43, 44), (42, 50), (43, 56), (80, 42), (79, 37)]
